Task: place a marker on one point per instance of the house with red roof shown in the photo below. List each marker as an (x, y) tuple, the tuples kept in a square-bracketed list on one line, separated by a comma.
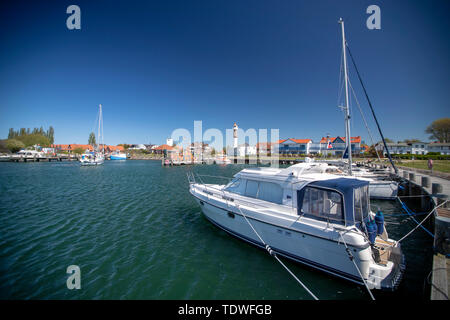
[(336, 145), (164, 148), (294, 146)]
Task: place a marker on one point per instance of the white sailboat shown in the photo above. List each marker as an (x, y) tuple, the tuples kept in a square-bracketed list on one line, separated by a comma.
[(96, 157), (321, 220)]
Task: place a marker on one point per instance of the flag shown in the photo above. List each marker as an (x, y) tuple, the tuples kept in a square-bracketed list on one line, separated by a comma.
[(345, 156)]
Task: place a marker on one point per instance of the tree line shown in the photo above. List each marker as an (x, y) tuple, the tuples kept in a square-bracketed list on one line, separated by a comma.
[(23, 133), (26, 137)]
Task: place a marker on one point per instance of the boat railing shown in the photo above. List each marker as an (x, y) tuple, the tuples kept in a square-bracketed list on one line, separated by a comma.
[(211, 190)]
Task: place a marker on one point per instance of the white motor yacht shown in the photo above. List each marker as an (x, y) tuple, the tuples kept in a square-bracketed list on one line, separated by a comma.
[(307, 217)]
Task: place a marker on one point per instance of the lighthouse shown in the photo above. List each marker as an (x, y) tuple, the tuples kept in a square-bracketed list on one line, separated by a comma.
[(235, 139), (235, 136)]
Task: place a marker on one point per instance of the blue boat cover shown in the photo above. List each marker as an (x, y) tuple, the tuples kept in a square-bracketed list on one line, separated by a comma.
[(345, 186)]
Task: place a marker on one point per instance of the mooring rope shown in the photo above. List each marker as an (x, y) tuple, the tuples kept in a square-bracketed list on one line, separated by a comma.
[(352, 259), (273, 254), (412, 216), (418, 225)]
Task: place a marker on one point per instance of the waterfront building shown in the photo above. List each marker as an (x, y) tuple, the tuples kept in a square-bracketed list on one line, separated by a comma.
[(138, 147), (440, 147), (415, 148), (70, 147), (246, 150), (336, 145), (164, 148), (394, 148), (419, 147), (265, 148), (294, 146)]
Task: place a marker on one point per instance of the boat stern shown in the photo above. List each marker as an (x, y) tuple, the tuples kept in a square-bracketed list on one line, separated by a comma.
[(389, 265)]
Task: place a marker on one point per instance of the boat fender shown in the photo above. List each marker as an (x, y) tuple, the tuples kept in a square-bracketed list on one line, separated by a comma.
[(379, 220), (371, 230), (269, 249)]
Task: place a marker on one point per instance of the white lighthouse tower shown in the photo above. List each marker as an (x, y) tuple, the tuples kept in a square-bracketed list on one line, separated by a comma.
[(235, 140), (235, 136)]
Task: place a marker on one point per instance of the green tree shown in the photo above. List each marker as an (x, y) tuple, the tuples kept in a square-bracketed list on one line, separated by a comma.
[(408, 141), (91, 140), (51, 135), (439, 130), (11, 133), (78, 150), (14, 145), (32, 139), (387, 141)]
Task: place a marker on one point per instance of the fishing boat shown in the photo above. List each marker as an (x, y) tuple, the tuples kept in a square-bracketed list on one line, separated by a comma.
[(116, 155), (97, 157), (311, 216)]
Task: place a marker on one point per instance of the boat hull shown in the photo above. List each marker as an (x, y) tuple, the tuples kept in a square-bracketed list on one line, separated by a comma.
[(324, 253), (118, 157)]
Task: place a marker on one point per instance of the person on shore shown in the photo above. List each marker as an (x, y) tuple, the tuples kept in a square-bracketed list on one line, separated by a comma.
[(430, 165)]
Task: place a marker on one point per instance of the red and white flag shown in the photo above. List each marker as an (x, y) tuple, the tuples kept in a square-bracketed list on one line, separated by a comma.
[(329, 146)]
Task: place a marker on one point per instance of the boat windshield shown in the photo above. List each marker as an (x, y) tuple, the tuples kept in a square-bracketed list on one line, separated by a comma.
[(361, 200), (321, 204), (236, 185)]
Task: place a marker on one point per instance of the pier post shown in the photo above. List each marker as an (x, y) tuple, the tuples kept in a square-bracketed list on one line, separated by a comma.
[(436, 188), (425, 182)]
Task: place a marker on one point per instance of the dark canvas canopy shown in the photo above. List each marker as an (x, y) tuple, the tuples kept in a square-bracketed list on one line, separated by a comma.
[(345, 186)]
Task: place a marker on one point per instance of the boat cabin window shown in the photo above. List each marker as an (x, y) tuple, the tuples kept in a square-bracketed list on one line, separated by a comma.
[(252, 188), (271, 192), (267, 191), (322, 204), (361, 200), (236, 186)]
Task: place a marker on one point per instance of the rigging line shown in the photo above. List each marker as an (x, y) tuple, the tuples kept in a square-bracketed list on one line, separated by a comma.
[(371, 108), (429, 214), (269, 249), (364, 119), (411, 215), (350, 255)]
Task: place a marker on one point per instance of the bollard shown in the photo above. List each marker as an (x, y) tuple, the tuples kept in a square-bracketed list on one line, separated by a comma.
[(436, 188), (425, 182), (412, 176), (405, 174)]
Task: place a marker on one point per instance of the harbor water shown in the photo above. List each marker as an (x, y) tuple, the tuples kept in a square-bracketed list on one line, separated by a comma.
[(136, 233)]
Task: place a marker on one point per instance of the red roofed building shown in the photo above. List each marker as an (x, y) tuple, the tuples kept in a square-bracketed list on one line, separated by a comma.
[(338, 145), (294, 146), (164, 147)]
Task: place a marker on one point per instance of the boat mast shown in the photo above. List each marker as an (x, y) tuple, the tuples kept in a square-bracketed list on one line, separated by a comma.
[(100, 124), (347, 110)]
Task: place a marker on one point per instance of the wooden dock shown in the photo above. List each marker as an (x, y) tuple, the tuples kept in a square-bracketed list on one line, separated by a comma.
[(436, 186), (49, 158)]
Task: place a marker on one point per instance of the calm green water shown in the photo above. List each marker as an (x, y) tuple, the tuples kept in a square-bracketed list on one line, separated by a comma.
[(136, 233)]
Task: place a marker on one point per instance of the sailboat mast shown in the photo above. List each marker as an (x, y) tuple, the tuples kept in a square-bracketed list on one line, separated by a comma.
[(347, 110), (99, 125)]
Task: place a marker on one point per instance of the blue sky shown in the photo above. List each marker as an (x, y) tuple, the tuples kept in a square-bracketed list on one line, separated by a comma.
[(159, 65)]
